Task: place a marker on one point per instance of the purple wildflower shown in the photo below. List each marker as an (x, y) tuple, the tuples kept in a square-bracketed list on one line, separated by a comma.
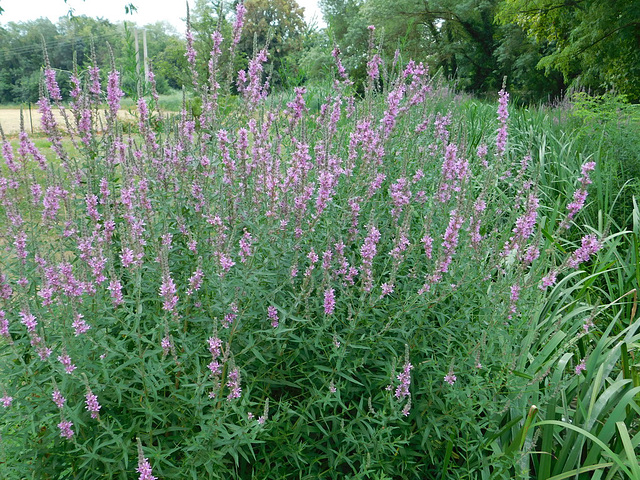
[(580, 195), (79, 325), (4, 325), (195, 281), (587, 325), (450, 378), (58, 399), (233, 383), (402, 390), (549, 280), (92, 404), (241, 10), (94, 76), (144, 469), (329, 301), (168, 293), (65, 429), (52, 84), (373, 67), (342, 72), (590, 246), (225, 262), (245, 246), (450, 240), (65, 360), (515, 295), (230, 317), (368, 252), (115, 288), (29, 321), (114, 93), (387, 289), (215, 367), (166, 345), (272, 313), (503, 116), (524, 227), (400, 195), (6, 400)]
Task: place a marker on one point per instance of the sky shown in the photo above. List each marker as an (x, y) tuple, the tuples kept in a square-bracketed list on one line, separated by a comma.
[(149, 11)]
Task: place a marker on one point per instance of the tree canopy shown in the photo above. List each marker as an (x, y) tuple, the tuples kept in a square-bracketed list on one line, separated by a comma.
[(593, 42), (543, 47)]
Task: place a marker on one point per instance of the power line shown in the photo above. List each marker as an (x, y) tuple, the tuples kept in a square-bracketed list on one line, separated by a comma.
[(25, 49)]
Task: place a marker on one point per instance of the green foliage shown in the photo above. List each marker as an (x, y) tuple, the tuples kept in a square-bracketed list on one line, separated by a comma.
[(594, 43), (609, 125), (245, 346), (460, 38), (72, 39), (280, 25)]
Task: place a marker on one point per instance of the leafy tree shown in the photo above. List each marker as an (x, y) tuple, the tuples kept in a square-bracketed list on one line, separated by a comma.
[(594, 43), (517, 56), (170, 63), (280, 23), (207, 17), (458, 36), (461, 38), (21, 58), (276, 23)]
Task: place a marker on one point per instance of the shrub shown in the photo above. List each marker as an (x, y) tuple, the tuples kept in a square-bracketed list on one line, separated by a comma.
[(357, 293)]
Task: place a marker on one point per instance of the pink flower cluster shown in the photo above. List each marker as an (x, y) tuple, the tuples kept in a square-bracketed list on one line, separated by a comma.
[(144, 469), (402, 390), (92, 404), (272, 314), (168, 293), (65, 429), (580, 195), (65, 360), (233, 384), (503, 116), (329, 301), (6, 400), (368, 252)]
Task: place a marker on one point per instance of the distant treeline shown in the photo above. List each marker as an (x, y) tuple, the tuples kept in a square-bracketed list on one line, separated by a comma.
[(541, 50)]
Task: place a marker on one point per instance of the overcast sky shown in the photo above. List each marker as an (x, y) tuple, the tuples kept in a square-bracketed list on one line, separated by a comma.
[(149, 11)]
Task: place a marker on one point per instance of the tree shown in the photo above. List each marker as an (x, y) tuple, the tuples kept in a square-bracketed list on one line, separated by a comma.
[(281, 24), (594, 43), (170, 63), (458, 36), (21, 58)]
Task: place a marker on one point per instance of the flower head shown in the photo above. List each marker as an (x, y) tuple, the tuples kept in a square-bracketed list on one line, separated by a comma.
[(144, 469), (65, 429), (58, 399), (405, 381), (450, 378), (92, 404)]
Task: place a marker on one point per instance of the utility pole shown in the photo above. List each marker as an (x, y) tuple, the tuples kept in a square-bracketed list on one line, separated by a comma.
[(144, 51), (135, 37)]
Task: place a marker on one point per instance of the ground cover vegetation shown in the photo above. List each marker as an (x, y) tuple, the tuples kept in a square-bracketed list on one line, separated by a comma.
[(382, 278)]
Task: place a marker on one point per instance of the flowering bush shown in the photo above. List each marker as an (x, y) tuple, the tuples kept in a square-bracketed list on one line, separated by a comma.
[(271, 293)]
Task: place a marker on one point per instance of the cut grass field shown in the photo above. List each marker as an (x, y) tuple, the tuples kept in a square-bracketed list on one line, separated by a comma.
[(10, 119)]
